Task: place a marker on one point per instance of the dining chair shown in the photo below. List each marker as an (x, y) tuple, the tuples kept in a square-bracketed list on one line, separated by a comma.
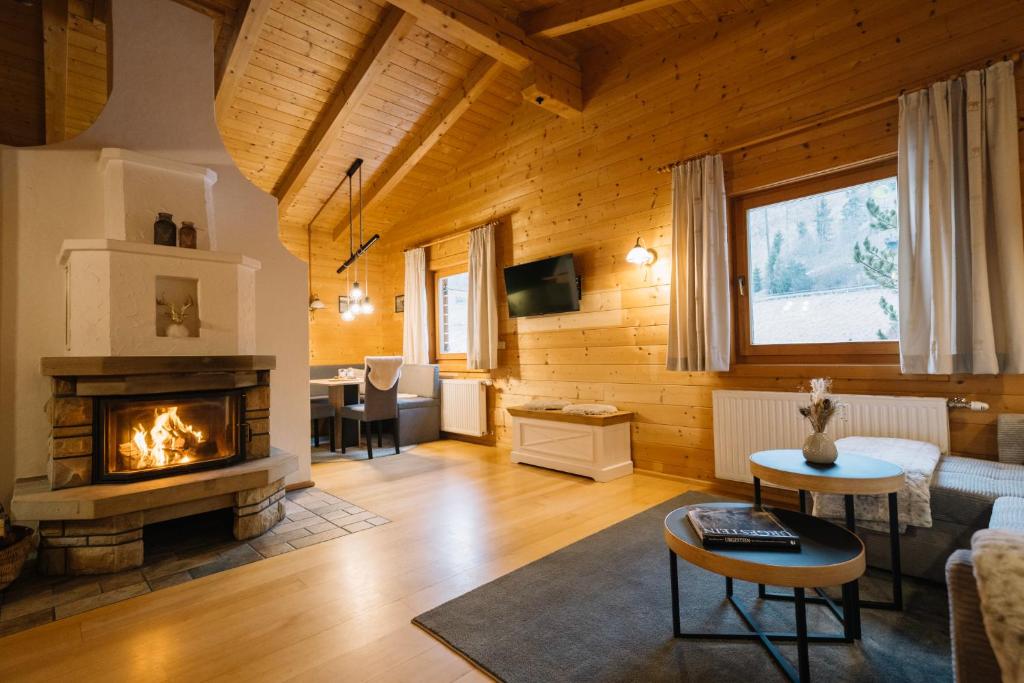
[(376, 408)]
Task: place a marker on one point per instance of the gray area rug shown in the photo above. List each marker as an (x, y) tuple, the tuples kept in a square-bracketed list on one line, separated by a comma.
[(600, 610)]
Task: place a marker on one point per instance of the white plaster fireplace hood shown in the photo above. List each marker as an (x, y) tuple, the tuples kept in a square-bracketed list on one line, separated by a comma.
[(91, 202)]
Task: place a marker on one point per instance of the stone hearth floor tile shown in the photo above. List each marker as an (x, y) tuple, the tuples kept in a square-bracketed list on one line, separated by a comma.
[(109, 582), (236, 557), (85, 604), (320, 526), (275, 549), (175, 565), (271, 538), (306, 541), (169, 580), (34, 600), (47, 599), (26, 621)]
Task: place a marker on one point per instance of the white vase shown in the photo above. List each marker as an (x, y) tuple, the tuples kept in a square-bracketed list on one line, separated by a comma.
[(178, 331), (819, 449)]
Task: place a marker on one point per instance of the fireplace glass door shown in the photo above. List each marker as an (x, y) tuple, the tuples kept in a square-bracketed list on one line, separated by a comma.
[(144, 437)]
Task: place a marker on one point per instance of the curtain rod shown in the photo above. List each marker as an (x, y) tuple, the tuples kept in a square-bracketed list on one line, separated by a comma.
[(452, 235), (1015, 56)]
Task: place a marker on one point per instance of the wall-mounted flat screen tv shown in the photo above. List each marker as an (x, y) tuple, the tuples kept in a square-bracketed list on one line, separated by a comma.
[(539, 287)]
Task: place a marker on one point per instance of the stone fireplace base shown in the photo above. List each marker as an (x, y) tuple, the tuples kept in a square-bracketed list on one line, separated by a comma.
[(99, 529)]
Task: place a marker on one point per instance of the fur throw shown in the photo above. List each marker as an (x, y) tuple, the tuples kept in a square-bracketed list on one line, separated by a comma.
[(590, 409), (999, 570), (544, 404)]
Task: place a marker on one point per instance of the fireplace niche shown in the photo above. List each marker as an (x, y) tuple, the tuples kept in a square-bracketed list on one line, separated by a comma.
[(149, 436)]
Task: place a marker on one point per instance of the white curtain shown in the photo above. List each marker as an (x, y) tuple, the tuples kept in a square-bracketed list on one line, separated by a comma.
[(416, 327), (482, 344), (699, 327), (961, 252)]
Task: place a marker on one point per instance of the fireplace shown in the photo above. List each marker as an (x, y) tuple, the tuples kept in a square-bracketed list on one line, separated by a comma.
[(143, 437), (136, 440)]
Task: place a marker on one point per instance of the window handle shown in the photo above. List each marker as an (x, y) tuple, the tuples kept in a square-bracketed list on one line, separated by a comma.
[(741, 283)]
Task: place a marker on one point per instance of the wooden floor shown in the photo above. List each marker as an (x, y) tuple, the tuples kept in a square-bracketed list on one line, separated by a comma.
[(461, 515)]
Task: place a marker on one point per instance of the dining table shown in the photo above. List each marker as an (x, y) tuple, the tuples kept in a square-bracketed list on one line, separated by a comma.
[(342, 391)]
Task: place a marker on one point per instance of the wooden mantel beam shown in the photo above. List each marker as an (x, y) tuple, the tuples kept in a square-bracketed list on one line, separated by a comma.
[(576, 15), (374, 58), (552, 73), (439, 122), (230, 78), (55, 68)]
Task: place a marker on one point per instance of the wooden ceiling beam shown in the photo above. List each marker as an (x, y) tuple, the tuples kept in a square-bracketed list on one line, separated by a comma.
[(552, 73), (55, 68), (576, 15), (230, 78), (439, 122), (371, 63)]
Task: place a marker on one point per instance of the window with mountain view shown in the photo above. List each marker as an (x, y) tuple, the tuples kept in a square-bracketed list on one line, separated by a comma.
[(821, 267)]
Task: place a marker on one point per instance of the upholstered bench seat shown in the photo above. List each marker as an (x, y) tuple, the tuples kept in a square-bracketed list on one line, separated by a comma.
[(963, 492), (1008, 514)]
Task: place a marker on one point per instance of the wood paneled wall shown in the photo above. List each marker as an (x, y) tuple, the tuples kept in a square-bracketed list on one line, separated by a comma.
[(590, 187), (22, 118)]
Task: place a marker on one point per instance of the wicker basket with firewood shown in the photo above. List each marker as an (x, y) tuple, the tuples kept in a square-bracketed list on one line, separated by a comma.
[(15, 546)]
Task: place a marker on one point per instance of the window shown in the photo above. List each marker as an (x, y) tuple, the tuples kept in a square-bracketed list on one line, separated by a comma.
[(452, 307), (819, 262)]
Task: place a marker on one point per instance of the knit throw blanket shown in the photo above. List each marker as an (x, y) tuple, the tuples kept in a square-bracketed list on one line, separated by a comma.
[(998, 557), (383, 371), (918, 460)]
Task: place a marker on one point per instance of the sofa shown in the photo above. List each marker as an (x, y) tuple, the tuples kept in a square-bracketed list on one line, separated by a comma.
[(963, 492), (419, 401), (973, 657)]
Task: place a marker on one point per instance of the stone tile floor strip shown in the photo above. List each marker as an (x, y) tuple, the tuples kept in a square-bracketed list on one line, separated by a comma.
[(311, 516)]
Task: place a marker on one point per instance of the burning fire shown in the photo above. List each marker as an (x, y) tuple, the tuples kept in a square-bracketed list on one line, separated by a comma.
[(170, 441)]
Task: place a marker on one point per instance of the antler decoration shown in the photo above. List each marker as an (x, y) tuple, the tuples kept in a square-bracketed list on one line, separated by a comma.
[(177, 314)]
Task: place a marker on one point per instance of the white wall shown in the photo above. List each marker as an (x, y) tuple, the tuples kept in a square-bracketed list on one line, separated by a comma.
[(161, 104)]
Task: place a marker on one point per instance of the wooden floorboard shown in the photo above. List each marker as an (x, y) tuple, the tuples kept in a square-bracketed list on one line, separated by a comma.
[(461, 514)]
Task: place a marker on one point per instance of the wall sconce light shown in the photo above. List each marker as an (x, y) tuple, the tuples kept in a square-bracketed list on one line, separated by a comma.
[(315, 304), (640, 255)]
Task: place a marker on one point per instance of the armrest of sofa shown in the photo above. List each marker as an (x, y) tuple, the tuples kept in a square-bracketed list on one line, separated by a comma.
[(973, 658)]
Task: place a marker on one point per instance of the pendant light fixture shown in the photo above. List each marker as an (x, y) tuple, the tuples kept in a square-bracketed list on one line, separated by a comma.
[(367, 307), (348, 315), (356, 293), (315, 304)]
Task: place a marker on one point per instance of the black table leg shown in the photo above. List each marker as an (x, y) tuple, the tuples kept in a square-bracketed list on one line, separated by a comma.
[(894, 560), (767, 639), (894, 549), (851, 591), (803, 501), (674, 569), (801, 635), (757, 503)]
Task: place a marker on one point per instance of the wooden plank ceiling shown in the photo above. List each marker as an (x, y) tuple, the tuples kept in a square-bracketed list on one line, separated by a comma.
[(307, 86)]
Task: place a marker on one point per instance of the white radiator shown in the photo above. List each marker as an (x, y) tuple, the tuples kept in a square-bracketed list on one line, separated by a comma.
[(749, 421), (464, 406)]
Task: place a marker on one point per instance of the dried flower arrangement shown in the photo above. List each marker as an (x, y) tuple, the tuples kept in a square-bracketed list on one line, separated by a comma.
[(822, 406)]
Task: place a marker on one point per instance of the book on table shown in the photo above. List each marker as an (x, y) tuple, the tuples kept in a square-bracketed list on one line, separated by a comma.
[(741, 527)]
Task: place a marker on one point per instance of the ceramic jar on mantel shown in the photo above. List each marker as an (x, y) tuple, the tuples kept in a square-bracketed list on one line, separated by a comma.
[(165, 232), (820, 449), (187, 235)]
